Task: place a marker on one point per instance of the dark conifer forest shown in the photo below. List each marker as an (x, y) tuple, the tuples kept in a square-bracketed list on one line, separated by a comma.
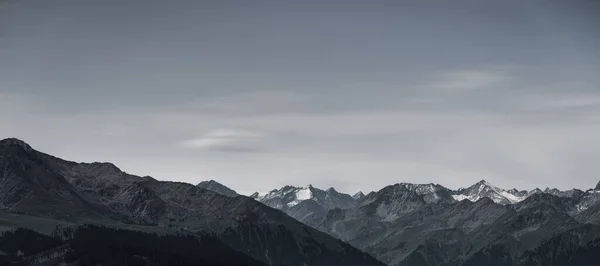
[(94, 245)]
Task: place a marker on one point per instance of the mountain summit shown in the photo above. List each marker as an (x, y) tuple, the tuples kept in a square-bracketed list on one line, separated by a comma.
[(15, 142), (307, 204), (484, 189), (359, 195), (215, 186)]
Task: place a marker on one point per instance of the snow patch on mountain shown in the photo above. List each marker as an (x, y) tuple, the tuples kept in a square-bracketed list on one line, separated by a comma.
[(484, 189), (359, 195), (290, 196), (462, 197), (511, 197), (302, 194)]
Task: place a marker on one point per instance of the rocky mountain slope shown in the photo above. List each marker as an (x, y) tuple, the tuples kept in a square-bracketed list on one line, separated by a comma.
[(94, 245), (412, 225), (306, 204), (401, 224), (36, 184), (484, 189), (294, 200), (215, 186), (429, 224)]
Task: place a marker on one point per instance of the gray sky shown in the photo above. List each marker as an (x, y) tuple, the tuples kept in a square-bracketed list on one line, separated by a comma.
[(351, 94)]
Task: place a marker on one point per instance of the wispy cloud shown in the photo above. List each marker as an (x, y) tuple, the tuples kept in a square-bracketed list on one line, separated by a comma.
[(468, 79), (227, 140), (563, 101)]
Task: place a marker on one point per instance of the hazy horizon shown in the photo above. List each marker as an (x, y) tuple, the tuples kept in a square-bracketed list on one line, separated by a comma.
[(354, 95)]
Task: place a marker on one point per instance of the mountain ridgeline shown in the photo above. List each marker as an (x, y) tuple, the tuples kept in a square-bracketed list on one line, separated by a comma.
[(96, 214), (38, 190), (430, 225)]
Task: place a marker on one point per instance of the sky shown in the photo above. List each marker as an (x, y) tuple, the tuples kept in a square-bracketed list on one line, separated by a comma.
[(349, 94)]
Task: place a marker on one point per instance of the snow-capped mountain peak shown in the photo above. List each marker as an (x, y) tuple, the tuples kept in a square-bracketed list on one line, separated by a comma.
[(484, 189), (290, 196), (359, 195), (300, 195), (285, 191), (286, 197)]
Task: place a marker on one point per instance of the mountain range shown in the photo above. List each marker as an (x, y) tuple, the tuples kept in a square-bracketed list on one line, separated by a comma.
[(401, 224), (38, 190), (306, 203), (429, 224)]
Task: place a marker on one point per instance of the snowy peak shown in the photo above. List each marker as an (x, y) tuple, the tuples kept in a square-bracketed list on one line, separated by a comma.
[(217, 187), (283, 192), (300, 195), (484, 189), (359, 195), (286, 197), (289, 196)]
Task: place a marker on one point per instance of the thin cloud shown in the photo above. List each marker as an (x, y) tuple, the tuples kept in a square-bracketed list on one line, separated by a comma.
[(563, 101), (469, 79), (227, 140)]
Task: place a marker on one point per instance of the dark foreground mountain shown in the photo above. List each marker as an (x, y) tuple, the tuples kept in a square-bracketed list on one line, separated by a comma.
[(34, 184), (93, 245)]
